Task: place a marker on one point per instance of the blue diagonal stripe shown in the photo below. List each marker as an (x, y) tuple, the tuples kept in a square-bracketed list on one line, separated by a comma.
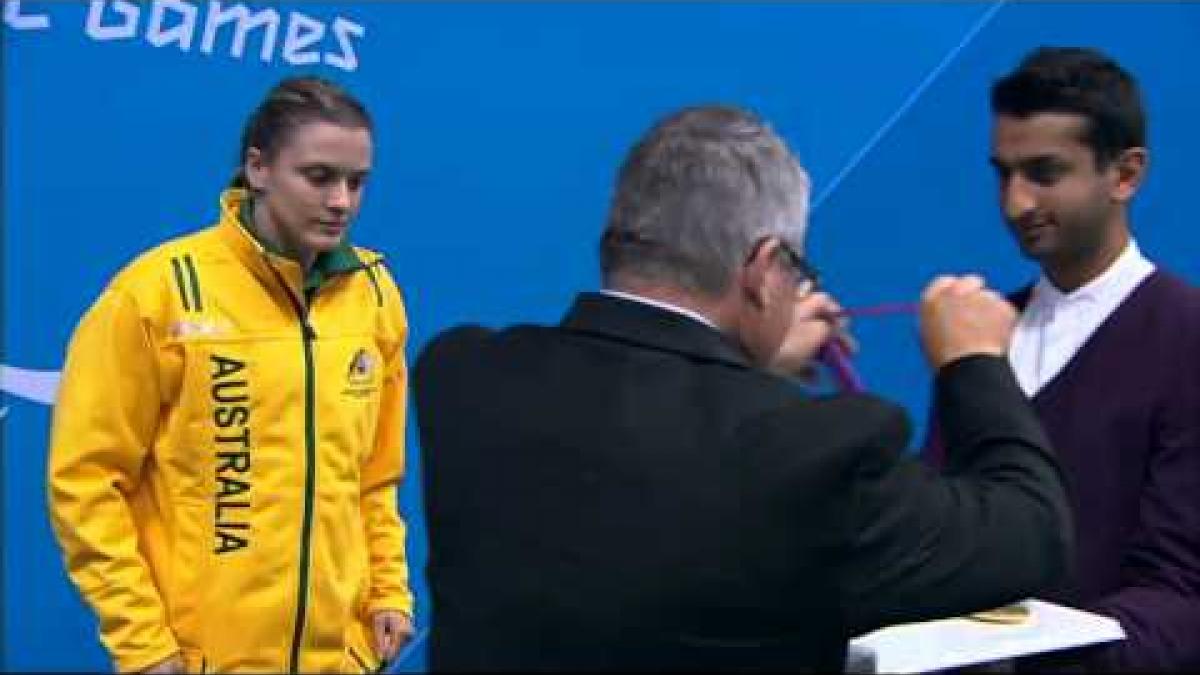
[(908, 102)]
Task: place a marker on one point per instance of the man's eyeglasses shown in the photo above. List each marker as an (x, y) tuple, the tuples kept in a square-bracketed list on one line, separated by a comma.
[(801, 268), (804, 270)]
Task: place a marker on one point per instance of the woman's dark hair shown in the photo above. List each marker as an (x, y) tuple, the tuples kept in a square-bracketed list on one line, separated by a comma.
[(291, 104)]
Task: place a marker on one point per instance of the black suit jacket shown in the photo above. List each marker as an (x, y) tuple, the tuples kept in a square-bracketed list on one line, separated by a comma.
[(624, 491)]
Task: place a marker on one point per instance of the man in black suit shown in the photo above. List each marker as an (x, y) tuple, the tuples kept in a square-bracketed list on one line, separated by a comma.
[(643, 486)]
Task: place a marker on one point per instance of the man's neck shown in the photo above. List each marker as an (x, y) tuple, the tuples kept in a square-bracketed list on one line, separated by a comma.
[(1070, 275)]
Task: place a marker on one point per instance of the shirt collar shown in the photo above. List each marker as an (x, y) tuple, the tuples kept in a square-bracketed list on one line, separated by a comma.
[(1111, 282), (691, 314)]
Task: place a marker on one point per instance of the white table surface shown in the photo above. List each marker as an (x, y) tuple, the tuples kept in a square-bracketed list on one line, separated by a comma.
[(950, 643)]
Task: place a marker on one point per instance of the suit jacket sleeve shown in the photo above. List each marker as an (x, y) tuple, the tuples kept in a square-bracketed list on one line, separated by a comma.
[(991, 530)]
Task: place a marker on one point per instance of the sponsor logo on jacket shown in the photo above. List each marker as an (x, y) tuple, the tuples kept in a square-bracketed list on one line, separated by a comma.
[(187, 328)]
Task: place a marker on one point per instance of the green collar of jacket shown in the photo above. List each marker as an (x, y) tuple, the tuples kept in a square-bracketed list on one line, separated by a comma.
[(327, 263)]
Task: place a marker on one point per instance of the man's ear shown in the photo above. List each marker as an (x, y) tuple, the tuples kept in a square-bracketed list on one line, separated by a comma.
[(255, 169), (756, 276), (1129, 168)]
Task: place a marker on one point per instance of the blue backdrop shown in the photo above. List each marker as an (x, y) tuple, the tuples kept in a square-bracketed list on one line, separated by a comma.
[(500, 127)]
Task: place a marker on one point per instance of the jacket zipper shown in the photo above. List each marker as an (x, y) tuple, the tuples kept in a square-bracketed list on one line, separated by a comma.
[(308, 335), (310, 471)]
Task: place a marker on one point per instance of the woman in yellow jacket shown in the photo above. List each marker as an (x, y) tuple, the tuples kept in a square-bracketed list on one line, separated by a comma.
[(228, 437)]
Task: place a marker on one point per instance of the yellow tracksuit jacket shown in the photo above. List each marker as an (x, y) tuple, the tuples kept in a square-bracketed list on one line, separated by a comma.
[(225, 456)]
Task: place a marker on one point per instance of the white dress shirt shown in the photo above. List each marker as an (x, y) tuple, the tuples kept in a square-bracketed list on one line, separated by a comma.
[(1055, 325)]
